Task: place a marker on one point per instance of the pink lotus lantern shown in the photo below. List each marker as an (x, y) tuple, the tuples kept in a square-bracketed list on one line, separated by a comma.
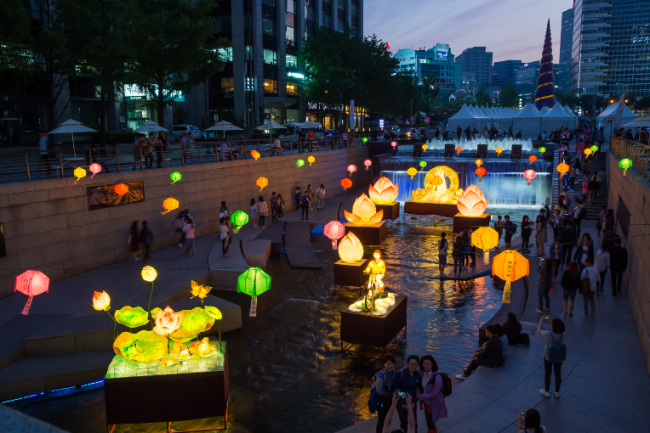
[(367, 163), (530, 175), (31, 283), (394, 144), (472, 202), (352, 168), (94, 169), (334, 230)]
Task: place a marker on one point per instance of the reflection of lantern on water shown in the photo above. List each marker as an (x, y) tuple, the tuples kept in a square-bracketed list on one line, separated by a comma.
[(255, 154), (262, 182), (352, 168), (425, 147), (121, 189), (384, 192), (542, 150), (169, 205), (480, 172), (485, 238), (422, 164), (350, 248), (364, 211), (625, 164), (334, 230), (79, 173), (530, 175), (532, 158), (31, 283), (458, 150), (478, 162), (562, 168), (94, 169), (367, 163), (300, 162), (498, 151), (311, 160), (472, 202), (346, 183), (509, 266), (412, 171), (175, 177)]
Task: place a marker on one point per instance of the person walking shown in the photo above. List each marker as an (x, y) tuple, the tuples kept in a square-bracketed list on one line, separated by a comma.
[(149, 145), (554, 354), (280, 207), (408, 380), (602, 262), (384, 389), (526, 231), (498, 226), (584, 251), (592, 190), (252, 212), (262, 210), (137, 151), (320, 196), (161, 148), (178, 226), (541, 235), (443, 247), (589, 285), (190, 236), (274, 206), (570, 286), (544, 285), (297, 195), (617, 265), (457, 255), (224, 235), (510, 229), (224, 212), (146, 237), (311, 195), (134, 240), (432, 399), (305, 202), (579, 212), (44, 145)]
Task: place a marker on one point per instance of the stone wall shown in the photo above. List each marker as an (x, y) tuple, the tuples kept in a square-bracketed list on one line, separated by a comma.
[(48, 226), (634, 192)]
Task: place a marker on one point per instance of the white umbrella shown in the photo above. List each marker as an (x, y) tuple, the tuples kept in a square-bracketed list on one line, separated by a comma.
[(271, 125), (223, 126), (70, 127), (638, 123), (150, 126)]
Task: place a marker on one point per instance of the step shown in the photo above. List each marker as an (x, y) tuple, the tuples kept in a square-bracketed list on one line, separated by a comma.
[(224, 271), (17, 422), (257, 251), (274, 232)]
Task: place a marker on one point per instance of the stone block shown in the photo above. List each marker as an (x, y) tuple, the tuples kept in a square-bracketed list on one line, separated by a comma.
[(52, 237), (51, 345), (27, 197), (41, 256), (257, 252), (15, 188), (19, 388), (81, 247), (28, 211), (72, 204), (91, 217), (56, 193), (44, 224)]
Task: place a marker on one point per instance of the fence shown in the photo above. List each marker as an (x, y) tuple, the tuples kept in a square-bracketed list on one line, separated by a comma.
[(637, 152)]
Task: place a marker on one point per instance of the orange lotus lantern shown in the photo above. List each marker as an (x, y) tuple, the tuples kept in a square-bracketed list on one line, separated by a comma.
[(311, 160), (478, 162), (94, 169), (255, 154), (121, 189), (364, 211), (498, 151), (31, 283), (367, 163), (458, 150), (334, 230), (384, 192), (419, 194), (262, 182), (169, 205), (472, 202), (530, 175), (480, 172), (509, 266), (485, 238), (350, 248), (562, 168), (412, 171), (588, 151), (346, 183), (532, 158), (352, 168), (436, 182)]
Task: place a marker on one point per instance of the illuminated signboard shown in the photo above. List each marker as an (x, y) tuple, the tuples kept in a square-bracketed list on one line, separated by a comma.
[(442, 54), (296, 75), (381, 123)]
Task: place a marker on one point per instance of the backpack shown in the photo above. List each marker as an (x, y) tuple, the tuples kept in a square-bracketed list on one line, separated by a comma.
[(375, 400), (524, 338), (583, 213), (446, 384), (585, 284), (556, 352)]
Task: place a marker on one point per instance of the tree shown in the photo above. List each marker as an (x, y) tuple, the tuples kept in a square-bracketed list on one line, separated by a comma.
[(429, 92), (16, 57), (565, 98), (482, 97), (509, 96)]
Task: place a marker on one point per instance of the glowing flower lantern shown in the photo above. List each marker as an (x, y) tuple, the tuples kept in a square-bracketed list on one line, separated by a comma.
[(253, 283), (542, 150), (175, 177), (101, 301), (311, 160), (422, 164), (121, 189), (350, 248), (199, 290), (239, 218), (412, 171), (202, 348), (31, 283), (485, 238), (480, 172), (351, 169), (346, 183), (458, 150), (149, 274), (394, 144), (532, 158), (334, 230), (169, 205), (478, 162), (94, 169), (364, 211), (509, 266), (300, 162), (262, 182), (594, 148), (425, 147), (419, 194), (79, 173), (530, 175), (383, 192), (255, 154), (367, 163), (562, 168), (472, 202), (588, 151), (625, 164), (498, 151), (167, 321), (364, 139)]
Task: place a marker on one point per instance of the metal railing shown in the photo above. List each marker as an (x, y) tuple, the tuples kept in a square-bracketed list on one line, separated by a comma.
[(637, 152), (31, 165)]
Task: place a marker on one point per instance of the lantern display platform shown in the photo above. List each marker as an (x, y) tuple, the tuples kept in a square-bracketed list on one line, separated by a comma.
[(462, 222), (376, 331), (368, 234), (391, 211), (350, 274), (442, 209), (147, 393)]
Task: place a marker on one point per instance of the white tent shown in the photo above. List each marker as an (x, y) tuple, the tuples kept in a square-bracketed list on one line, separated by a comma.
[(528, 121), (574, 118), (555, 118), (544, 110), (607, 118), (463, 118)]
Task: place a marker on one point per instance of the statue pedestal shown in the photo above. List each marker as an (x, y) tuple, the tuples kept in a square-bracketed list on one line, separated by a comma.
[(462, 222), (417, 208), (350, 274), (368, 234), (391, 211), (376, 331)]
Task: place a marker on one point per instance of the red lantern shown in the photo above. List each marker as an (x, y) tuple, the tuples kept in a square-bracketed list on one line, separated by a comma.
[(31, 283), (480, 172), (334, 230), (121, 189), (346, 183), (458, 150), (532, 158), (94, 169), (394, 144), (530, 174)]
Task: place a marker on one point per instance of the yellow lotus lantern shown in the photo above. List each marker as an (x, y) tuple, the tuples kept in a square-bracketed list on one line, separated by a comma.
[(419, 194), (485, 238), (472, 202), (350, 248), (364, 212), (384, 192), (79, 173), (425, 147), (311, 160), (169, 205), (412, 172)]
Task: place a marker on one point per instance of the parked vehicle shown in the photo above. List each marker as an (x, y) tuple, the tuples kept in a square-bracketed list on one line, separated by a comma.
[(192, 130), (289, 136)]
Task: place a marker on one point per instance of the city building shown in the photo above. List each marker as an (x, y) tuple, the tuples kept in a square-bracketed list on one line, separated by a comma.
[(610, 47), (526, 82), (437, 62), (566, 36), (478, 61), (505, 71)]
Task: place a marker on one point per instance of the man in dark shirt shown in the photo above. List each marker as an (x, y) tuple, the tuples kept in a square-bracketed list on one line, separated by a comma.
[(490, 355), (617, 264)]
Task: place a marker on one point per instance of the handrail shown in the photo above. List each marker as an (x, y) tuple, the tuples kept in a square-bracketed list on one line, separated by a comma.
[(637, 152)]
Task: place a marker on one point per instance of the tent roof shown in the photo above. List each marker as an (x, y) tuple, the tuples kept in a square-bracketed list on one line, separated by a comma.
[(611, 110), (463, 113), (568, 111), (529, 112), (557, 112)]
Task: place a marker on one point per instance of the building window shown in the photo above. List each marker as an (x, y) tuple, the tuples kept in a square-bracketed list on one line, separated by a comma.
[(268, 26), (270, 57), (225, 54), (227, 85), (250, 84), (292, 89), (291, 34), (270, 87), (292, 61)]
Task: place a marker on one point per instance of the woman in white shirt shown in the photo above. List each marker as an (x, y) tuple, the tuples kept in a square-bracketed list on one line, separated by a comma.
[(602, 262), (189, 229), (320, 195), (262, 210)]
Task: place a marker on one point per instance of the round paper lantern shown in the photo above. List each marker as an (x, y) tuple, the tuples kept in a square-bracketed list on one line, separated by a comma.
[(253, 282), (478, 162), (300, 162), (425, 147), (121, 189), (346, 183), (175, 177), (367, 163), (588, 151), (625, 164), (239, 218), (334, 230), (350, 248), (262, 182), (532, 158), (352, 168), (480, 172), (594, 148), (364, 139), (311, 160), (94, 169), (383, 192), (509, 266), (149, 274), (498, 151), (436, 182), (485, 238), (255, 154), (458, 150), (530, 175), (31, 283), (412, 171), (422, 164), (79, 173), (542, 150), (169, 205), (101, 301), (562, 168), (472, 202), (394, 144)]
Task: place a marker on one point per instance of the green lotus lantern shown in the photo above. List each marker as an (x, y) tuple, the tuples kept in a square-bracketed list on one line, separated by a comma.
[(542, 150), (365, 139), (239, 218), (422, 164), (594, 148), (625, 164), (253, 282), (300, 162), (175, 177)]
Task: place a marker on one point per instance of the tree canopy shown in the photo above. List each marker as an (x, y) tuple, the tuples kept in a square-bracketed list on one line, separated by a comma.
[(509, 97)]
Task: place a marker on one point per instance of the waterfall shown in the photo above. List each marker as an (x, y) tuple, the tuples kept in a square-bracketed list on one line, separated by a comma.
[(505, 143)]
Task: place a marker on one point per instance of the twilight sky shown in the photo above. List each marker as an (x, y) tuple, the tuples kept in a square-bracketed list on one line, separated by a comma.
[(511, 29)]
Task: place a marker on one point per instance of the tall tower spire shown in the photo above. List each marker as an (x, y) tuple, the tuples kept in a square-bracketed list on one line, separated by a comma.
[(545, 92)]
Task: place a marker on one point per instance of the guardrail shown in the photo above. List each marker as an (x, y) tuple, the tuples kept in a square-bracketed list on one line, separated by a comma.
[(31, 165), (637, 152)]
